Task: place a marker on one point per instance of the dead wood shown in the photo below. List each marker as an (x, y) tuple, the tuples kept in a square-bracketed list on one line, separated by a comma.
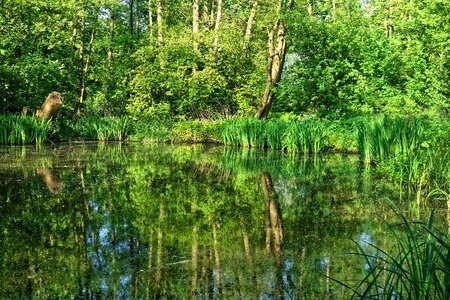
[(50, 106)]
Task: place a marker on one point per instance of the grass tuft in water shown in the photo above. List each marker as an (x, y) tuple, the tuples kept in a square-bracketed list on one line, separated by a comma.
[(307, 137), (20, 130), (418, 267), (103, 129), (387, 137)]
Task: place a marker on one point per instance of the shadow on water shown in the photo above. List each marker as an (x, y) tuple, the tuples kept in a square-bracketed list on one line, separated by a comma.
[(148, 221)]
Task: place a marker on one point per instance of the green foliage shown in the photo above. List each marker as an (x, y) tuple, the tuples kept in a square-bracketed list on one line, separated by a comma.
[(196, 132), (19, 130), (357, 58), (343, 133), (350, 58), (244, 132), (411, 150), (416, 268)]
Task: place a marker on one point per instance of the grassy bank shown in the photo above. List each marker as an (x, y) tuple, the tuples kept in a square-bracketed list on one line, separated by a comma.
[(411, 150), (376, 138), (20, 130)]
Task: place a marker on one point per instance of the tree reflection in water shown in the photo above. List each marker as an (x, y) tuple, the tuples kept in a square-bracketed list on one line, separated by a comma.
[(147, 222)]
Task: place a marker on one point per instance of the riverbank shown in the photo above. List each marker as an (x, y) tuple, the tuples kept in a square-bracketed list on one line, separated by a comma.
[(412, 150), (411, 154)]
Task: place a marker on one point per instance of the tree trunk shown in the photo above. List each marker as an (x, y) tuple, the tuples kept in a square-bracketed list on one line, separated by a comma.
[(277, 52), (149, 264), (195, 25), (248, 30), (216, 29), (137, 19), (130, 18), (274, 223), (194, 262), (159, 21), (50, 106), (388, 26), (211, 17), (217, 257), (85, 59), (274, 218), (51, 179), (114, 269), (448, 213), (205, 12), (85, 71), (158, 275), (150, 20), (110, 79), (82, 84)]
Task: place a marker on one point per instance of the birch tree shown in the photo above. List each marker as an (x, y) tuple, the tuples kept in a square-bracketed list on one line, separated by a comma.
[(276, 46)]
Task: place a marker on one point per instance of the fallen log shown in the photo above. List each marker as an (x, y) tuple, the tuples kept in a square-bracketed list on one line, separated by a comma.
[(50, 106)]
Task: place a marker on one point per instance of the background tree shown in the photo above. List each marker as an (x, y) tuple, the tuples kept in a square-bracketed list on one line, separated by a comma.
[(206, 59)]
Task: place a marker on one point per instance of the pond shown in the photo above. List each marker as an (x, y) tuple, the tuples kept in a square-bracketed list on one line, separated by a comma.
[(142, 221)]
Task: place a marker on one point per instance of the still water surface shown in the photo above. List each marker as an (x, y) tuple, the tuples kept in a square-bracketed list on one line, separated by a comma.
[(104, 221)]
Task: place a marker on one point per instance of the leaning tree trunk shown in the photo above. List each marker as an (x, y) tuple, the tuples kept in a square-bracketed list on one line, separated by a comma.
[(277, 52)]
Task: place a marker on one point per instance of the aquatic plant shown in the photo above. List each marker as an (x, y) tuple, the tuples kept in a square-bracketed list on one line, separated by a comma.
[(308, 137), (19, 130), (385, 137), (103, 129), (418, 267), (275, 133), (244, 133)]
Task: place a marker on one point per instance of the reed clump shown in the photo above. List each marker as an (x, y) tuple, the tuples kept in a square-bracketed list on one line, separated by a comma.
[(416, 267), (20, 130), (386, 137), (306, 137), (102, 128), (412, 150)]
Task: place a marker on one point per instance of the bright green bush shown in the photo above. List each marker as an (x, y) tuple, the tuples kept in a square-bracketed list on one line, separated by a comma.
[(195, 131)]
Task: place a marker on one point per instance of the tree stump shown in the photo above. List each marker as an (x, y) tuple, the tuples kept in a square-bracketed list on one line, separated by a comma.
[(50, 106)]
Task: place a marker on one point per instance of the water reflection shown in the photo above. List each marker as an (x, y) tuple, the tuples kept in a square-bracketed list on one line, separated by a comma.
[(143, 221), (51, 179)]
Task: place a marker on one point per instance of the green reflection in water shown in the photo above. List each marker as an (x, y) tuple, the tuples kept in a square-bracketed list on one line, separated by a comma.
[(150, 221)]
